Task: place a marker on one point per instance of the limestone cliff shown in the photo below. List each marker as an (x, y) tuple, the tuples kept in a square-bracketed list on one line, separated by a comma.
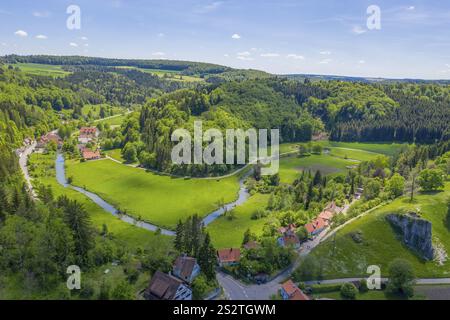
[(415, 232)]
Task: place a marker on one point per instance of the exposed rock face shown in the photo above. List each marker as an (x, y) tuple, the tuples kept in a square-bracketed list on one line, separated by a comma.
[(415, 231)]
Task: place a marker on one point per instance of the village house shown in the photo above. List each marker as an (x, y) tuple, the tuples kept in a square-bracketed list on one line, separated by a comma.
[(167, 287), (186, 268), (88, 154), (49, 137), (288, 237), (229, 256), (315, 227), (289, 291), (358, 193), (88, 134)]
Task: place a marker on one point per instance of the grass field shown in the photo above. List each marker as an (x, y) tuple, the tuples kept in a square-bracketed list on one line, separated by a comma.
[(44, 172), (159, 199), (380, 244), (291, 167), (115, 154), (227, 233), (170, 74), (42, 69)]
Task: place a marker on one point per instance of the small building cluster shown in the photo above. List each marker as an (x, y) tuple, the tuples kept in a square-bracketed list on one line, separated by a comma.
[(88, 135), (174, 286), (47, 138), (289, 291), (288, 236)]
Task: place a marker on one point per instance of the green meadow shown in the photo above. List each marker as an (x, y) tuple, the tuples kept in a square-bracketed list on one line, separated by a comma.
[(158, 199), (381, 244), (42, 69), (42, 169), (227, 233)]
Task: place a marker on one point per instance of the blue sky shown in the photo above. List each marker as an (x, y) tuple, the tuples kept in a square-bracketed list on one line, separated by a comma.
[(278, 36)]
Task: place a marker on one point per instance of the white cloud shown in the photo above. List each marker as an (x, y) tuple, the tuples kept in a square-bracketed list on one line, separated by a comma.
[(325, 53), (41, 14), (295, 56), (244, 54), (21, 33), (235, 36), (325, 61), (361, 61), (73, 44), (161, 35), (358, 30), (84, 38), (158, 54), (86, 44), (41, 37), (411, 8), (270, 55), (245, 58), (209, 7), (226, 55), (4, 44)]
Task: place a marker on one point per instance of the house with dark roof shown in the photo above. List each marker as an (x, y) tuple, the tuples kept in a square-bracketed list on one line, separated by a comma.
[(289, 291), (186, 268), (229, 256), (167, 287)]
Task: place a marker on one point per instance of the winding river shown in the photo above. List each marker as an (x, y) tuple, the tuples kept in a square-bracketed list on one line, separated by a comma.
[(61, 178)]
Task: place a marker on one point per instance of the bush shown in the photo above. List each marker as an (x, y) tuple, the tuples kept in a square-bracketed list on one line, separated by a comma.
[(325, 288), (401, 277), (348, 291), (363, 285)]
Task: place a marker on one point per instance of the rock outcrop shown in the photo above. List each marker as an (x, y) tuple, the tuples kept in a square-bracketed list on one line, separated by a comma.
[(415, 232)]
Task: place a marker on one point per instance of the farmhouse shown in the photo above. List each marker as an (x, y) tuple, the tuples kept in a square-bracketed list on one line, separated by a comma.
[(166, 287), (289, 291), (88, 134), (186, 268), (229, 256), (49, 137), (88, 154)]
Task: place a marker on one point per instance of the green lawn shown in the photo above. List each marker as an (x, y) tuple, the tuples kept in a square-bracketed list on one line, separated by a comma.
[(159, 199), (115, 154), (42, 69), (44, 172), (227, 233), (380, 244), (114, 121)]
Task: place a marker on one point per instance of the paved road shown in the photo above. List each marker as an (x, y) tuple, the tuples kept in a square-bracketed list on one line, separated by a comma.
[(23, 159)]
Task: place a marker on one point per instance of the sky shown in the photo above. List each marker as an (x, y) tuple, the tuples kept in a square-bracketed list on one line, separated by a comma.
[(412, 39)]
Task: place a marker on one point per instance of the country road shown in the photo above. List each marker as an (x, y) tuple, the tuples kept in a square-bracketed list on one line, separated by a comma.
[(23, 159)]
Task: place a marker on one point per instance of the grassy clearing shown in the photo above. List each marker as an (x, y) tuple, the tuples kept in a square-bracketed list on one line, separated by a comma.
[(44, 172), (227, 233), (42, 69), (369, 295), (380, 243), (169, 74), (291, 167), (159, 199), (388, 149)]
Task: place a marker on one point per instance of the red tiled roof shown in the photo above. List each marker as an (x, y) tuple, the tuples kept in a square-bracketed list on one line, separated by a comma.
[(289, 287), (88, 130), (89, 154), (326, 215), (229, 255), (316, 224), (298, 295)]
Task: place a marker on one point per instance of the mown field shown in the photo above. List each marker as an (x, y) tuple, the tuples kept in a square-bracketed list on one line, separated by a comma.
[(381, 244), (42, 69), (227, 233), (159, 199)]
